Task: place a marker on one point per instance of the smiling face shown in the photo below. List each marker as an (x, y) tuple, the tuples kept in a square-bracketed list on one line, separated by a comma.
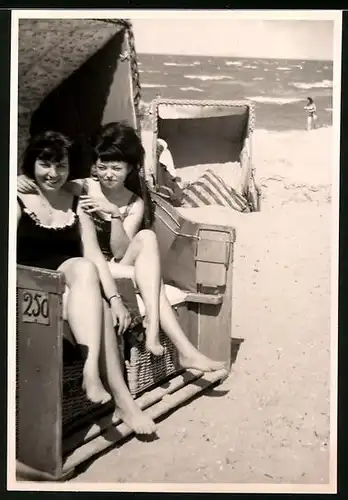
[(112, 174), (51, 175)]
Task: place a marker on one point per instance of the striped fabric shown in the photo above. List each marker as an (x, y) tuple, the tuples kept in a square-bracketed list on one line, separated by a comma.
[(210, 189)]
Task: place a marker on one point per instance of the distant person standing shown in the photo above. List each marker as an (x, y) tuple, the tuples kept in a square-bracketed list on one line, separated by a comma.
[(311, 114)]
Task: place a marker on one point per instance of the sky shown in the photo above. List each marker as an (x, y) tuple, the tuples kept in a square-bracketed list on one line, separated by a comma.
[(279, 39)]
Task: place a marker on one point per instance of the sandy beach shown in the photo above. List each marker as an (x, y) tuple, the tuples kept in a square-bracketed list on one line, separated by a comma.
[(269, 421)]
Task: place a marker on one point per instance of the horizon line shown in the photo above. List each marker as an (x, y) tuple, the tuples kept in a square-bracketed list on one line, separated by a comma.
[(233, 56)]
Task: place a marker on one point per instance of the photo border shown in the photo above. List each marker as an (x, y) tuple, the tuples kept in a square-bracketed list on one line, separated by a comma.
[(336, 16)]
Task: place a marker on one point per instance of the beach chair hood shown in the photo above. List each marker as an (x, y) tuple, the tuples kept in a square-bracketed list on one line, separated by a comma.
[(73, 75)]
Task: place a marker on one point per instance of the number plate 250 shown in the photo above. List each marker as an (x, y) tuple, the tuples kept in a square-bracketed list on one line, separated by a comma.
[(35, 307)]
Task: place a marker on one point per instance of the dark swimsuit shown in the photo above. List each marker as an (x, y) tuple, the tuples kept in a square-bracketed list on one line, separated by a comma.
[(103, 227), (44, 246)]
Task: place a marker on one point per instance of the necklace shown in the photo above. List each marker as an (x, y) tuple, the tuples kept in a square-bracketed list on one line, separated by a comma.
[(47, 206)]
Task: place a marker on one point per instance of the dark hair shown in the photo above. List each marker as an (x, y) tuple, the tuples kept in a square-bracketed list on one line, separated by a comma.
[(118, 141), (48, 146), (310, 100)]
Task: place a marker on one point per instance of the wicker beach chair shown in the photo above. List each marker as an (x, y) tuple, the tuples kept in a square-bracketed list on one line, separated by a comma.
[(83, 74), (205, 137)]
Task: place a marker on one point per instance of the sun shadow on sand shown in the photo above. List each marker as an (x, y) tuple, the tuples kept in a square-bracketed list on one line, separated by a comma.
[(112, 435), (235, 346)]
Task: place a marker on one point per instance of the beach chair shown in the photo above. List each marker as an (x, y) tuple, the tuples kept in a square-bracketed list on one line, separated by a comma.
[(203, 136), (83, 74)]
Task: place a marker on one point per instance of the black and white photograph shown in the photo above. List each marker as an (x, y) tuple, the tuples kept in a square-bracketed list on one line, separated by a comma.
[(174, 181)]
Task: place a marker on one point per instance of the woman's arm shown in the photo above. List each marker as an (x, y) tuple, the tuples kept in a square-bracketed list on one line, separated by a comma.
[(123, 231), (91, 251), (132, 222), (25, 185)]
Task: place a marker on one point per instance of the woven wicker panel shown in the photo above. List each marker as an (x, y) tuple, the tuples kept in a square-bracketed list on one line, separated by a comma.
[(75, 404), (145, 370)]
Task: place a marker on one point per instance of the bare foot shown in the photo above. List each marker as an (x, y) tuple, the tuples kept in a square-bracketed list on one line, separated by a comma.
[(137, 420), (94, 388), (152, 342), (202, 363), (154, 347)]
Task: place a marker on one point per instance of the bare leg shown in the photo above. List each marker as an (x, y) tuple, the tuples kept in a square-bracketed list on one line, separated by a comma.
[(189, 356), (126, 407), (143, 253), (84, 314)]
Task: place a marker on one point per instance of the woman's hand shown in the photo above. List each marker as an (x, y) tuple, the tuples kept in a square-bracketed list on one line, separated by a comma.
[(100, 206), (121, 314), (26, 185)]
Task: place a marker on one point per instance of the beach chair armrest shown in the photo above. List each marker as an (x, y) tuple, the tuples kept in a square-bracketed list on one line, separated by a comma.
[(195, 256), (204, 298)]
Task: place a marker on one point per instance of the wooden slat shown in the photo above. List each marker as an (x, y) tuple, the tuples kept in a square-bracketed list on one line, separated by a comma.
[(213, 255), (121, 431), (210, 325), (36, 278), (214, 251), (149, 398), (210, 274), (214, 325)]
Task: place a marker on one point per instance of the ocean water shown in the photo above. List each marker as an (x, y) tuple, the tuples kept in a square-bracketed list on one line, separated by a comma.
[(278, 87)]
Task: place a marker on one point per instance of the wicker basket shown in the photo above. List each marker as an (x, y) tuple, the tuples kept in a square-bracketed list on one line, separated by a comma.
[(144, 370)]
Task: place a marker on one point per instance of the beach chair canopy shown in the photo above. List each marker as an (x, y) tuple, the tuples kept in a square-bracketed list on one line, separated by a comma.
[(203, 132), (75, 74)]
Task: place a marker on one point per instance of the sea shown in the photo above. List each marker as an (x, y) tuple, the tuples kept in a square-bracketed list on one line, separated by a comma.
[(278, 87)]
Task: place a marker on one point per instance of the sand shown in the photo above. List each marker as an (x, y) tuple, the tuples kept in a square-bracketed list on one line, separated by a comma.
[(269, 421)]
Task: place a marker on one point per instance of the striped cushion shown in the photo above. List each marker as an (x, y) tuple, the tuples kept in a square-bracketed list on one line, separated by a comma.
[(210, 189)]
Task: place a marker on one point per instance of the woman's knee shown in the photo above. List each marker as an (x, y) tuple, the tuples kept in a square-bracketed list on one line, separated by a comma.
[(85, 270), (147, 236)]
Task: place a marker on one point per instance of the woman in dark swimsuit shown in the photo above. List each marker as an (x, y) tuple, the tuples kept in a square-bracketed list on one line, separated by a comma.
[(54, 232)]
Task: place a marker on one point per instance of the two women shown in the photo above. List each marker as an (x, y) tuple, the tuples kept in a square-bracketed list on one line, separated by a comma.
[(54, 232), (72, 234)]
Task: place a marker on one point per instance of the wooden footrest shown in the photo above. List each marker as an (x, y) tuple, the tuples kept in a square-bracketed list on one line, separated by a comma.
[(107, 432)]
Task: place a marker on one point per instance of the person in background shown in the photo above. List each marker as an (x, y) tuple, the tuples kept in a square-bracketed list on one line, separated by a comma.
[(311, 114)]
